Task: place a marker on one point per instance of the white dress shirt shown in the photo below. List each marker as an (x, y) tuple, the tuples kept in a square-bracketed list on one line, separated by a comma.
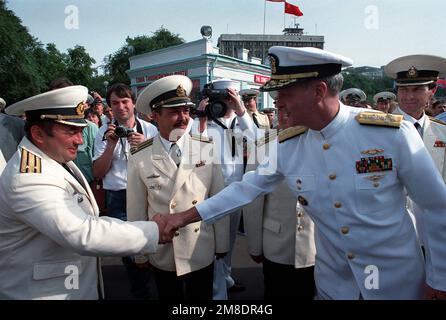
[(116, 177)]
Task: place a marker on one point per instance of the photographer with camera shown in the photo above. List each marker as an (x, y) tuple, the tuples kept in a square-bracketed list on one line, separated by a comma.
[(98, 106), (112, 148), (222, 116)]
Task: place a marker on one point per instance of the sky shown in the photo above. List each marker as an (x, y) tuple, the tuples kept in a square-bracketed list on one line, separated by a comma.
[(371, 32)]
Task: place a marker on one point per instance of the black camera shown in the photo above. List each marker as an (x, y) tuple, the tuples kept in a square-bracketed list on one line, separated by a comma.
[(217, 107), (122, 132)]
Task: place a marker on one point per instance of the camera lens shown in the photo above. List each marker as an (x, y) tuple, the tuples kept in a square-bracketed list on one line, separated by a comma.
[(120, 132), (217, 109)]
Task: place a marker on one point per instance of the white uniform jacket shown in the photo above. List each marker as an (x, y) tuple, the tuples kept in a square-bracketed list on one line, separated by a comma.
[(280, 230), (156, 185), (262, 119), (361, 221), (50, 229), (434, 138), (276, 225)]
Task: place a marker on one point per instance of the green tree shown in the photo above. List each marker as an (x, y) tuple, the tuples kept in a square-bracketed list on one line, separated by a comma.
[(19, 71), (370, 86), (97, 84), (51, 62), (80, 66), (117, 64)]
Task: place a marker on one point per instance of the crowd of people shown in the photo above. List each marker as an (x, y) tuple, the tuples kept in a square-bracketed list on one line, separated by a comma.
[(328, 186)]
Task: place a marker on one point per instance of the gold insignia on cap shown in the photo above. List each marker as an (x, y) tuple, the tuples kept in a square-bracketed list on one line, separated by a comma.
[(80, 108), (273, 64), (181, 92), (412, 72)]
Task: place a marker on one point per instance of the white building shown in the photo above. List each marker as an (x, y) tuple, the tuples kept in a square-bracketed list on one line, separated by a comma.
[(202, 63)]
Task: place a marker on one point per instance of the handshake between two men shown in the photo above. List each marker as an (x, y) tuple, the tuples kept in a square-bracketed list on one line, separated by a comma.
[(168, 224)]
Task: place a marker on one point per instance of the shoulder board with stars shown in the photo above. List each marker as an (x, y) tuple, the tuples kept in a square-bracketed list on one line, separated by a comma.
[(30, 163), (141, 146), (292, 132), (379, 119), (201, 138), (269, 136), (437, 121)]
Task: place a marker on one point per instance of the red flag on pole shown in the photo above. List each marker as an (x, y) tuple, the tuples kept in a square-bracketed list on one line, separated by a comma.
[(292, 9)]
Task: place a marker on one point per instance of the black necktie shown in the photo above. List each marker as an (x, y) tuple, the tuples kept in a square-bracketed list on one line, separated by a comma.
[(256, 122), (418, 127), (175, 153)]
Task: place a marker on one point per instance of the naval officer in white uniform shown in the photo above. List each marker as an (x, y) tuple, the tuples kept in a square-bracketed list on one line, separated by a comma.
[(349, 169), (51, 231), (416, 80)]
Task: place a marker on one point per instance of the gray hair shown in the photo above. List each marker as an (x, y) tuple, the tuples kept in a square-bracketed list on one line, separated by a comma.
[(334, 83)]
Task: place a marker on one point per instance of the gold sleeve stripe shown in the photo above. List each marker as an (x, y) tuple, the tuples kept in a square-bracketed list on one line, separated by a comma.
[(201, 138), (24, 161), (291, 132), (31, 163), (141, 146), (437, 120), (38, 168)]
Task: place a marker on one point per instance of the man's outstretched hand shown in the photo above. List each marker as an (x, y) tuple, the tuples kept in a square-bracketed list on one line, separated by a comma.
[(168, 224), (161, 221)]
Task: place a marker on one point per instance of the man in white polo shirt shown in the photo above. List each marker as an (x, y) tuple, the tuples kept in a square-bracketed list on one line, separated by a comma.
[(111, 152)]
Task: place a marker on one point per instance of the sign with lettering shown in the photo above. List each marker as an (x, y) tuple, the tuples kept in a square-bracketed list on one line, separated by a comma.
[(258, 78)]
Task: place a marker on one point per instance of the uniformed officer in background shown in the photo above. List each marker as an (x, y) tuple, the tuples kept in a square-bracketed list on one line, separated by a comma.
[(171, 172), (249, 98), (279, 233), (228, 133), (383, 101), (416, 79), (271, 113), (350, 171), (353, 97), (50, 228)]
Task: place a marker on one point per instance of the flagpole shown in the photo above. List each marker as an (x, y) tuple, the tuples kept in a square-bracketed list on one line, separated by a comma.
[(284, 15), (263, 38)]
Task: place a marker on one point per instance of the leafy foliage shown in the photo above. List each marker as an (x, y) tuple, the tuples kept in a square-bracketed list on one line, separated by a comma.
[(27, 67), (370, 86), (117, 64)]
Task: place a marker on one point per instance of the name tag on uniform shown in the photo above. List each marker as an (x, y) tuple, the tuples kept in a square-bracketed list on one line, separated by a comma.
[(374, 164), (440, 144), (153, 176)]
